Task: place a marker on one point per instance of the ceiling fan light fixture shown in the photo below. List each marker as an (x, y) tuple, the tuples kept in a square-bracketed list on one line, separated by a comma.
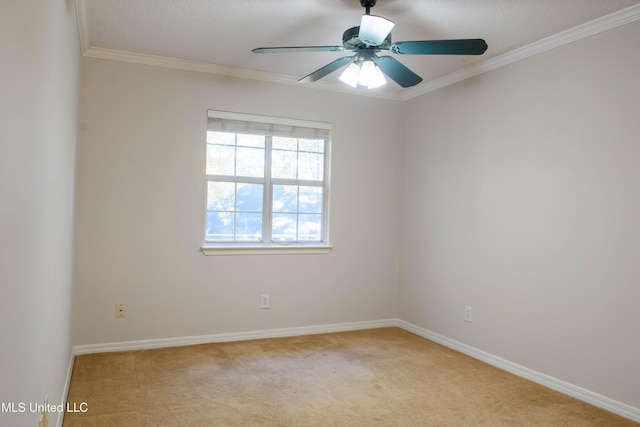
[(374, 29), (351, 74), (371, 76), (379, 79)]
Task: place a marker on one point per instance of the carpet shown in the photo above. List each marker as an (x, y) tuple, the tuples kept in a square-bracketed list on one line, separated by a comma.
[(376, 377)]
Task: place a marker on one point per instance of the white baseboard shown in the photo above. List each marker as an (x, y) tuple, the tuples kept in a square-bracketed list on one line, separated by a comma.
[(234, 336), (564, 387)]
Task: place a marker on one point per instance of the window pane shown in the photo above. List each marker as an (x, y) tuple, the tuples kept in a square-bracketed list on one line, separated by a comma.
[(282, 143), (221, 196), (220, 226), (248, 226), (310, 200), (312, 145), (227, 216), (222, 138), (250, 162), (220, 159), (249, 197), (284, 227), (309, 227), (283, 164), (256, 141), (310, 166), (285, 198)]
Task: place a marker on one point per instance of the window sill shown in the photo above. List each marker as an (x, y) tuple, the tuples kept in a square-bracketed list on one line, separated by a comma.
[(265, 250)]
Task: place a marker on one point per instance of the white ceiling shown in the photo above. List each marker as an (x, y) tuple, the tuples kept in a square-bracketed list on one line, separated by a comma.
[(217, 35)]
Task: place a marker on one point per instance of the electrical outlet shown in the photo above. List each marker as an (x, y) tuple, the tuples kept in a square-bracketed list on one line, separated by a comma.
[(264, 301), (121, 311), (467, 313)]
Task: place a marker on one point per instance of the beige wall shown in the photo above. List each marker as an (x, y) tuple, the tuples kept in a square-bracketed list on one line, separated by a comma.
[(521, 200), (141, 200), (38, 116)]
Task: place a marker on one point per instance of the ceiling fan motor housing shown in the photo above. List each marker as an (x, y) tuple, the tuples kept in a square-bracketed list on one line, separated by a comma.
[(351, 41)]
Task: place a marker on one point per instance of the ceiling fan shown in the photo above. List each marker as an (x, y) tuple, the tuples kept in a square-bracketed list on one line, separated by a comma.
[(373, 35)]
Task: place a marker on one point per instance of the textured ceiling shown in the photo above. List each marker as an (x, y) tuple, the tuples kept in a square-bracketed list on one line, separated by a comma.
[(223, 32)]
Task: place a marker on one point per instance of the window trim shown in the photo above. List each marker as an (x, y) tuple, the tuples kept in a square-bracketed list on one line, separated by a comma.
[(278, 248), (266, 250)]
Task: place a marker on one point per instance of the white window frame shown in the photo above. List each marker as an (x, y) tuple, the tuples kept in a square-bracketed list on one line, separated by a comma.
[(270, 247)]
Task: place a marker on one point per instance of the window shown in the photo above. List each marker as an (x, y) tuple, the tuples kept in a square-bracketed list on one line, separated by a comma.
[(267, 184)]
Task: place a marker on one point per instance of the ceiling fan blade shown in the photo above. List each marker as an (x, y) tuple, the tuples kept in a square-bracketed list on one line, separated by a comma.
[(398, 72), (440, 47), (327, 69), (295, 49)]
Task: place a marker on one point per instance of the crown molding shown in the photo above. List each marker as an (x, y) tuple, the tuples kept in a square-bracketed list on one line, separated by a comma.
[(83, 25), (223, 70), (596, 26)]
